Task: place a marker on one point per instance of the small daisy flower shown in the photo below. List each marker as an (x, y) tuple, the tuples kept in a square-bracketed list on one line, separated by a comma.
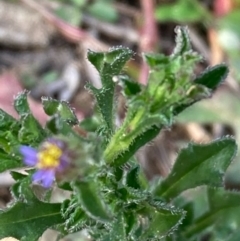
[(52, 158)]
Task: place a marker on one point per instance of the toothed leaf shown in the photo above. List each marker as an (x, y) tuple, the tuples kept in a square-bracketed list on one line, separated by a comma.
[(109, 65), (52, 107), (224, 208), (198, 165), (182, 41), (91, 201), (213, 76), (21, 103), (33, 218)]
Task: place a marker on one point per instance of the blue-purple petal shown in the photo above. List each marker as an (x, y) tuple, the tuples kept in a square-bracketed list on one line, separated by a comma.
[(29, 154), (38, 175), (45, 176), (49, 179), (30, 162), (64, 162), (57, 142)]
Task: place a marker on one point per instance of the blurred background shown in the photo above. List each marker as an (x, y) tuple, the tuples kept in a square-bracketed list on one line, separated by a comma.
[(43, 47)]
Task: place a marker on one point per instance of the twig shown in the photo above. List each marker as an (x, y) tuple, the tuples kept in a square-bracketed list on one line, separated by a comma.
[(149, 35), (115, 31), (222, 7), (127, 10), (199, 44), (71, 33)]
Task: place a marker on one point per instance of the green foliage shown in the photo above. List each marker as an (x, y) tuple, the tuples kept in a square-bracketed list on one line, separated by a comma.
[(70, 14), (31, 131), (103, 10), (91, 201), (53, 107), (182, 11), (73, 10), (8, 162), (223, 212), (198, 165), (109, 65), (33, 216), (156, 104), (213, 76), (110, 196), (32, 221)]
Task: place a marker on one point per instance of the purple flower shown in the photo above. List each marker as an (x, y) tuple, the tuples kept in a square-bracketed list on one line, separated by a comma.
[(51, 158)]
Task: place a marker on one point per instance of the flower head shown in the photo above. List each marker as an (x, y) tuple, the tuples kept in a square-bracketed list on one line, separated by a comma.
[(50, 159)]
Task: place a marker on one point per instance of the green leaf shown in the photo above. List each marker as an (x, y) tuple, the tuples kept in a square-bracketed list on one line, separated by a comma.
[(52, 107), (161, 220), (58, 126), (72, 15), (154, 105), (103, 10), (140, 141), (9, 141), (91, 124), (233, 237), (183, 11), (29, 220), (17, 175), (182, 41), (50, 77), (31, 131), (224, 208), (132, 178), (130, 87), (21, 103), (9, 128), (91, 201), (213, 77), (109, 65), (198, 165), (6, 120), (79, 3), (8, 162), (117, 230), (74, 215)]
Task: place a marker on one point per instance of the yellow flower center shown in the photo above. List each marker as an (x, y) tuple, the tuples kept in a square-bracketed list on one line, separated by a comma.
[(49, 157)]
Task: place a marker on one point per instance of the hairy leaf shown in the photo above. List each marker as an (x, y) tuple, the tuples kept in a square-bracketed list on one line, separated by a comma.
[(74, 216), (6, 120), (160, 221), (198, 165), (52, 107), (170, 90), (182, 11), (29, 220), (31, 131), (91, 202), (9, 162), (108, 65), (132, 178), (224, 208), (213, 76), (21, 103), (182, 41), (117, 230)]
